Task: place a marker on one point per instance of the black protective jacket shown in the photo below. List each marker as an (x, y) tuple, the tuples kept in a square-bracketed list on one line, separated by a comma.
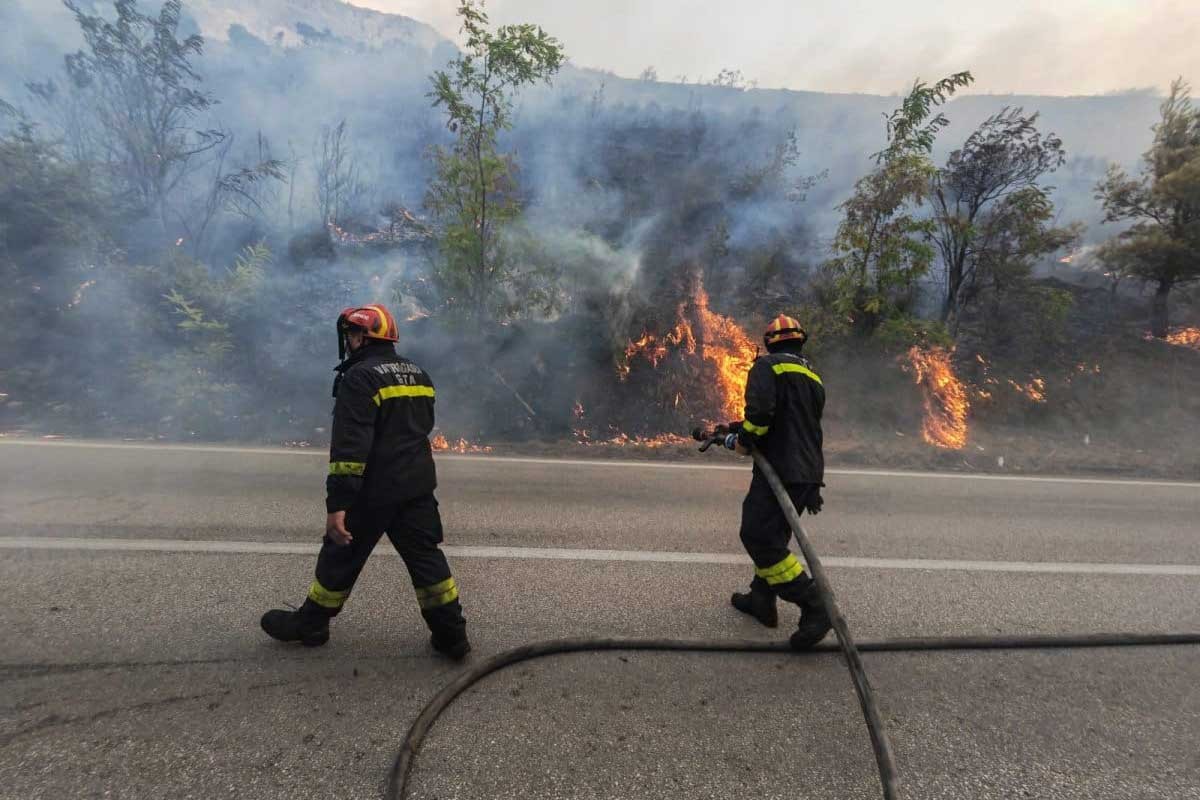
[(379, 452), (784, 402)]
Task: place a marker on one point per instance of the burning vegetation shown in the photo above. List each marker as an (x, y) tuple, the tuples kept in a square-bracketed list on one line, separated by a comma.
[(1185, 337), (1034, 391), (443, 445), (624, 440), (396, 227), (702, 344), (519, 304), (946, 404), (617, 438)]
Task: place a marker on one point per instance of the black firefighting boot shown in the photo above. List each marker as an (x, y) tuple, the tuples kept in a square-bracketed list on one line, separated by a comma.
[(759, 603), (449, 629), (814, 618), (452, 643), (308, 625)]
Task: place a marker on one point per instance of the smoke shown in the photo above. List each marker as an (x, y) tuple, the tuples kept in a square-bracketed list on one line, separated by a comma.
[(33, 37), (1075, 47), (629, 187), (1084, 50)]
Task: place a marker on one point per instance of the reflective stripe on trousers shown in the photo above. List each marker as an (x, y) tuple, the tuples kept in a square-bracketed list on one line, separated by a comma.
[(437, 595), (327, 598), (785, 571)]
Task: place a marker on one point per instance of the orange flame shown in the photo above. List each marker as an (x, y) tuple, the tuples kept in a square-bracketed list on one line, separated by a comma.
[(1185, 337), (720, 342), (441, 444), (624, 440), (946, 405), (582, 436), (653, 350), (1035, 390)]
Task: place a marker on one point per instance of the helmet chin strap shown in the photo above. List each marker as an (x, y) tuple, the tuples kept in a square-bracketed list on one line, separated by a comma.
[(343, 331), (343, 355), (341, 336)]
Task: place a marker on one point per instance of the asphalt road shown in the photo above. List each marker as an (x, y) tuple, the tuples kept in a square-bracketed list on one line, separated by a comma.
[(133, 667)]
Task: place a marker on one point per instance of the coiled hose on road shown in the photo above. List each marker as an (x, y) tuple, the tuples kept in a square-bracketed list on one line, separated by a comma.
[(397, 786)]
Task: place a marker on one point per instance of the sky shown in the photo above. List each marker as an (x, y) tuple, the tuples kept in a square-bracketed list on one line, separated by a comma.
[(1060, 47)]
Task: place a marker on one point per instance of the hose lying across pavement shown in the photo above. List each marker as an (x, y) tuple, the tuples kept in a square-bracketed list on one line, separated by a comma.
[(884, 758), (397, 785)]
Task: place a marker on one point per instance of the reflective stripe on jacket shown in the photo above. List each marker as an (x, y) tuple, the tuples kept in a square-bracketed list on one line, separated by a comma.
[(784, 402), (379, 450)]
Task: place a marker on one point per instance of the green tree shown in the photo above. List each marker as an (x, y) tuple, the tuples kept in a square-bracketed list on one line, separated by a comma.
[(1162, 246), (200, 378), (474, 191), (1017, 316), (733, 79), (881, 247), (52, 253), (990, 213), (145, 96), (1010, 237), (49, 209)]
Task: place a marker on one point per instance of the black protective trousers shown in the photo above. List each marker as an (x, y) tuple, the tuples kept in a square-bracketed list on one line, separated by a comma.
[(766, 535), (415, 529)]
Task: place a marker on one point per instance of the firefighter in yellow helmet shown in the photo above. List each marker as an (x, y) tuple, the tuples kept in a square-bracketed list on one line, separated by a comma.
[(784, 402), (381, 480)]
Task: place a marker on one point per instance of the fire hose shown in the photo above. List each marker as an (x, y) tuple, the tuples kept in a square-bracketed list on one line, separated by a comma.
[(397, 785)]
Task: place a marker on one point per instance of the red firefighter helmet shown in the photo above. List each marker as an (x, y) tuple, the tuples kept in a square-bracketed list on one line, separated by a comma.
[(375, 321), (783, 328)]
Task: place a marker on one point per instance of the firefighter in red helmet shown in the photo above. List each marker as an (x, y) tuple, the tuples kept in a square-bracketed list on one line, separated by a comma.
[(381, 480), (784, 402)]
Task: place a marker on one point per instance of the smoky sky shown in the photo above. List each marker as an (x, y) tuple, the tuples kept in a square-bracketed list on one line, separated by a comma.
[(1069, 47)]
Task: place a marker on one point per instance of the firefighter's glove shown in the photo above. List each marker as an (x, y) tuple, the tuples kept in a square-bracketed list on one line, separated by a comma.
[(731, 441), (814, 503)]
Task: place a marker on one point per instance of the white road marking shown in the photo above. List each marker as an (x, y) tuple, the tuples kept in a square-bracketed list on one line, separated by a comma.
[(316, 452), (168, 448), (570, 554)]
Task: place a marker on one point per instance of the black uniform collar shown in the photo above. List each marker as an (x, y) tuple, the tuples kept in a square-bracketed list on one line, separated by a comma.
[(369, 349)]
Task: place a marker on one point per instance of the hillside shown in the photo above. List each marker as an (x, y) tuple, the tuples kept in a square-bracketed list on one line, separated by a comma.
[(294, 23), (654, 208)]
